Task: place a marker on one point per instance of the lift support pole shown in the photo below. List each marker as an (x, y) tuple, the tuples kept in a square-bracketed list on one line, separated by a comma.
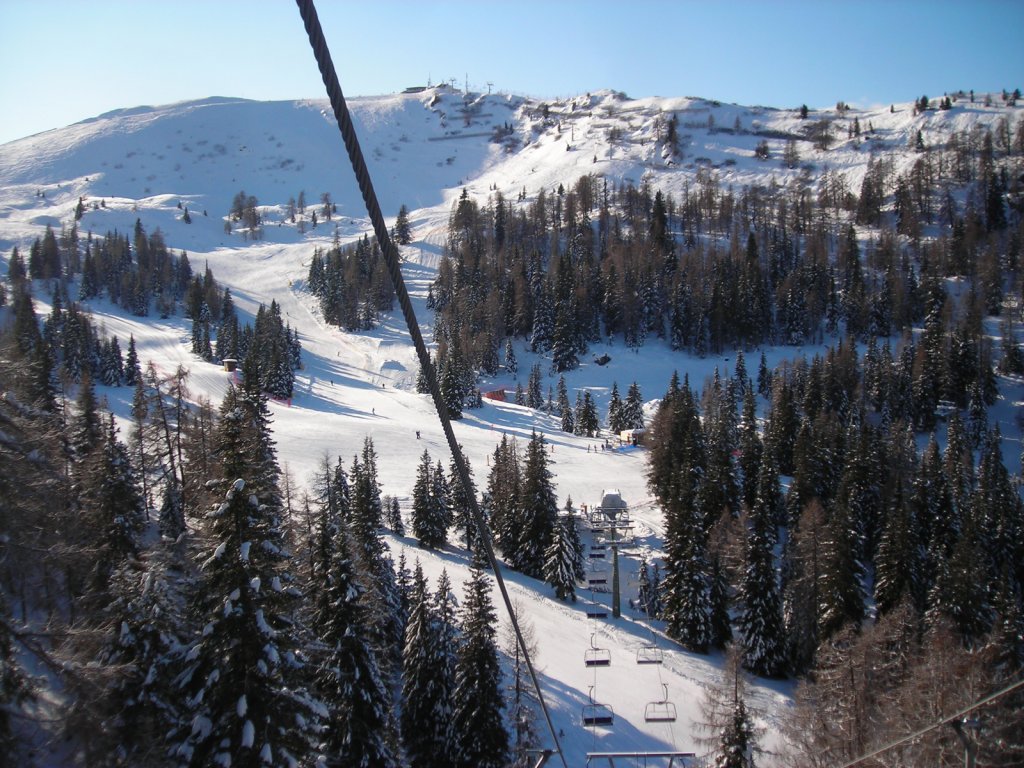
[(970, 745), (616, 598)]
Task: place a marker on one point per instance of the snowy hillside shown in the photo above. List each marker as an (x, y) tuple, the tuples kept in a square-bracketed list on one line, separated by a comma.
[(423, 150)]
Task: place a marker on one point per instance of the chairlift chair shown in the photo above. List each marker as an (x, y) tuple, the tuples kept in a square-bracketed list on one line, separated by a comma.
[(649, 654), (597, 714), (596, 656), (663, 711)]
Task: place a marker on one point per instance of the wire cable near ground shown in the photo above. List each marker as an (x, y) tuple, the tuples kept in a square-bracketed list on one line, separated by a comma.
[(330, 77), (938, 724)]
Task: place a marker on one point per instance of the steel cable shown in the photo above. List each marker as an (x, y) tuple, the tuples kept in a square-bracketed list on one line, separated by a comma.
[(330, 77)]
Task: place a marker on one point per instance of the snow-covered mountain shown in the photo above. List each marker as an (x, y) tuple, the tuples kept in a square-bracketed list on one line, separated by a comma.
[(423, 149)]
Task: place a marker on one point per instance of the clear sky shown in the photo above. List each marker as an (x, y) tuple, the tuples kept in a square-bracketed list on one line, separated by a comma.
[(65, 60)]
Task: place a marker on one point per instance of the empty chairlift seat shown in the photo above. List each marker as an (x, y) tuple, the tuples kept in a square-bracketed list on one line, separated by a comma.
[(649, 654), (663, 711), (596, 656), (597, 714), (597, 576)]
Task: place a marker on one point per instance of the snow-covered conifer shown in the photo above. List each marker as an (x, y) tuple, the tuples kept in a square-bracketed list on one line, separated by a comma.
[(483, 741), (563, 558), (357, 699), (633, 408), (429, 513), (538, 509), (461, 507), (427, 683), (503, 492), (615, 410), (243, 678), (761, 617), (112, 506), (511, 364)]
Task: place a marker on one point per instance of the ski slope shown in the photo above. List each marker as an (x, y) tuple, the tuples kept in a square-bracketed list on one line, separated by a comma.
[(423, 150)]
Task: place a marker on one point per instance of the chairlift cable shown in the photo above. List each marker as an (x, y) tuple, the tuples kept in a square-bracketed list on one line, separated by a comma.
[(937, 724), (318, 42)]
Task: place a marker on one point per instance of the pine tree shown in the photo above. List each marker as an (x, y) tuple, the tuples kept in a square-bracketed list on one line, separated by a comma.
[(563, 560), (564, 338), (729, 726), (112, 506), (477, 719), (441, 498), (15, 687), (899, 563), (451, 385), (687, 607), (615, 425), (349, 681), (719, 599), (934, 510), (543, 318), (633, 408), (393, 515), (764, 377), (427, 682), (259, 460), (761, 618), (750, 448), (446, 613), (803, 564), (958, 596), (534, 395), (87, 427), (977, 416), (958, 462), (564, 407), (461, 505), (511, 365), (591, 425), (402, 230), (428, 512), (145, 643), (997, 515), (332, 501), (842, 591), (538, 510), (367, 510), (242, 677), (677, 456), (503, 496), (373, 566)]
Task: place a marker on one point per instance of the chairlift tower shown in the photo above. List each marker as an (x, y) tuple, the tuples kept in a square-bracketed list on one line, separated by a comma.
[(611, 515)]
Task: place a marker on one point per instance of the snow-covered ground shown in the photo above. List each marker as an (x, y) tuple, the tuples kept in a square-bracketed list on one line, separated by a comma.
[(423, 149)]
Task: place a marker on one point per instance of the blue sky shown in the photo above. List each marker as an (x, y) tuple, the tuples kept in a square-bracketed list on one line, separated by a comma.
[(65, 60)]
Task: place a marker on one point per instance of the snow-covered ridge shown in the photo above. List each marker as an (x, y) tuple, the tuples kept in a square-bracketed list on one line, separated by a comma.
[(420, 145)]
